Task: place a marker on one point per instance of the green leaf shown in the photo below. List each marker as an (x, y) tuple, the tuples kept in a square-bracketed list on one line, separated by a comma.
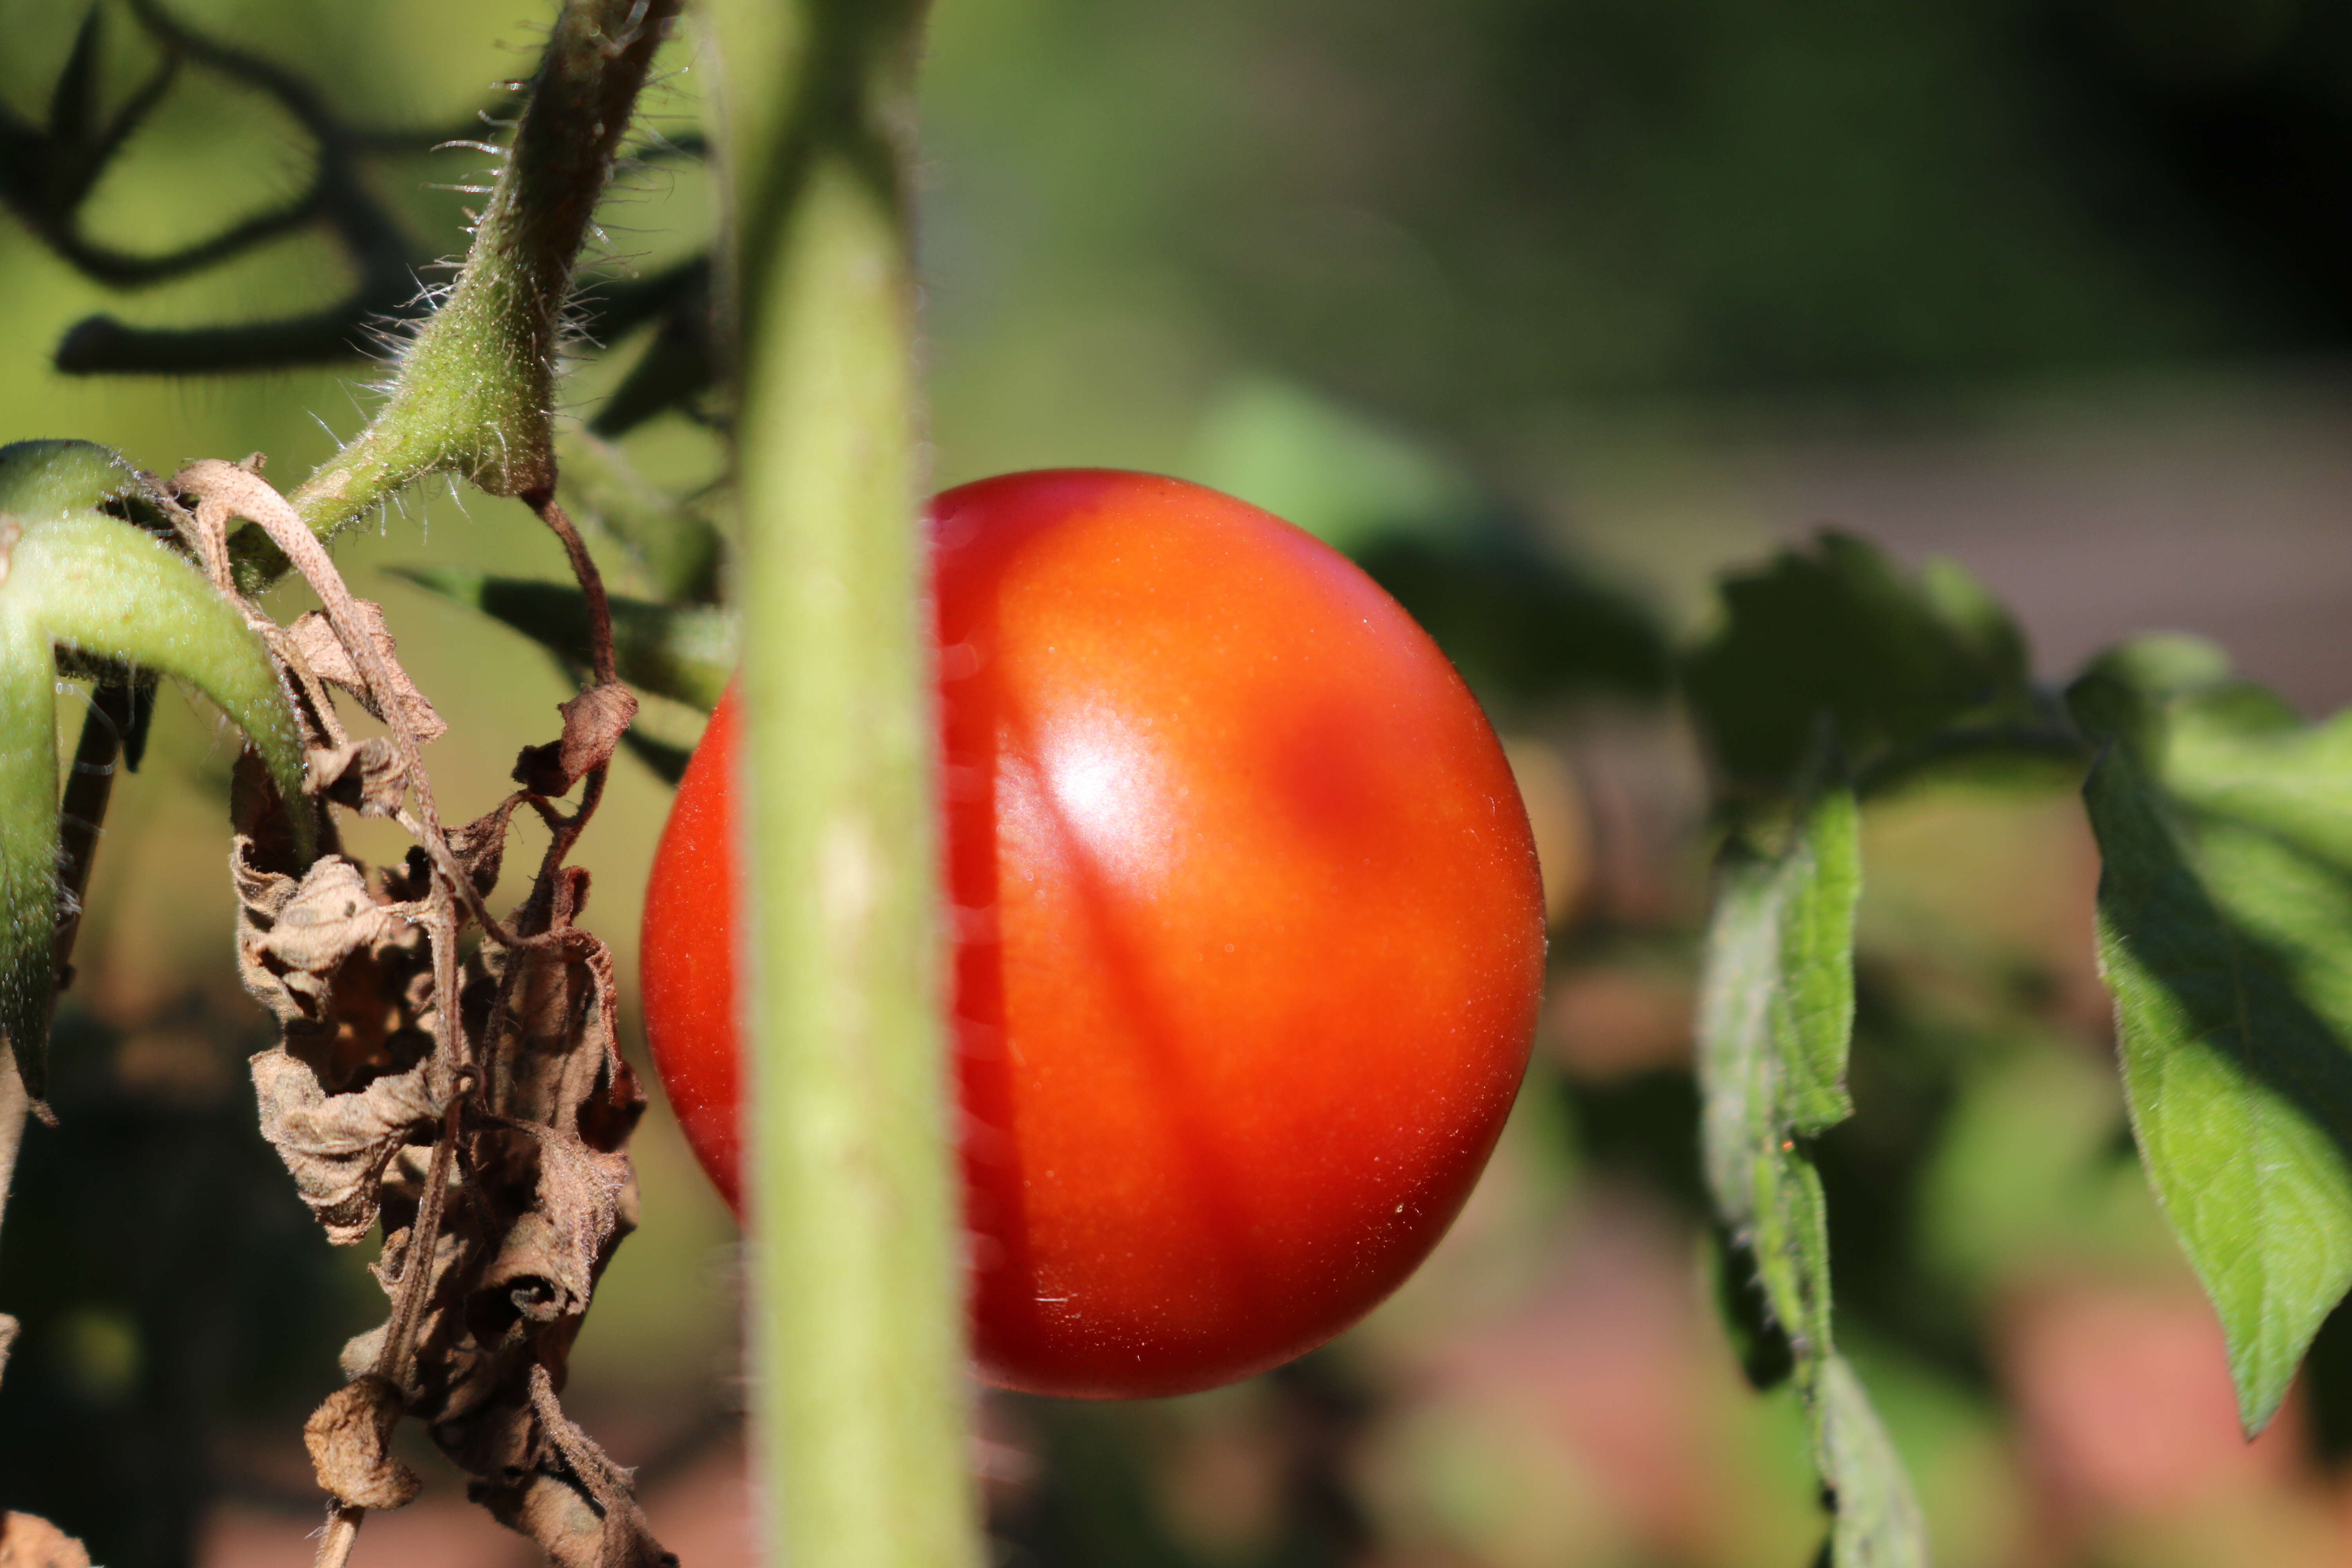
[(1878, 1518), (104, 587), (1776, 1012), (45, 478), (685, 652), (29, 838), (2225, 934), (1837, 630), (1776, 1019)]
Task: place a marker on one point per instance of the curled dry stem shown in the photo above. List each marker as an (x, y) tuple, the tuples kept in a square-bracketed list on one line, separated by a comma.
[(592, 582)]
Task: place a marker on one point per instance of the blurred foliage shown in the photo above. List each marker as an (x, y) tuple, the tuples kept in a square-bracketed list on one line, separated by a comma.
[(168, 1279), (1835, 633)]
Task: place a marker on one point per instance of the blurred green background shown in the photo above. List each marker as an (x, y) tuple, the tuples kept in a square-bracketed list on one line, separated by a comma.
[(1550, 311)]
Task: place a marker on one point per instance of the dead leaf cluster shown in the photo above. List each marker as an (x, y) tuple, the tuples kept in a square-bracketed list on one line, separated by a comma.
[(29, 1542), (473, 1104)]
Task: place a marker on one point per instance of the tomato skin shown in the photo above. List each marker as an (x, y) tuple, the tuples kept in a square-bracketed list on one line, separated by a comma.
[(1248, 933)]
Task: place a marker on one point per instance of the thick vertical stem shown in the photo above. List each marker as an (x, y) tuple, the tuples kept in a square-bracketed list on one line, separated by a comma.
[(856, 1307)]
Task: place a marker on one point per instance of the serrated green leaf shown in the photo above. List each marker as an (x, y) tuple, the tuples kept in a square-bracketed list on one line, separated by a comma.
[(1836, 630), (2225, 934), (103, 587), (29, 838), (685, 652), (1776, 1019), (48, 478), (1776, 1012)]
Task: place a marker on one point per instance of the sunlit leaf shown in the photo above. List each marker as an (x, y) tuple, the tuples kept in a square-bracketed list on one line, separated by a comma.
[(46, 479), (72, 579), (2225, 932), (1776, 1018), (104, 587)]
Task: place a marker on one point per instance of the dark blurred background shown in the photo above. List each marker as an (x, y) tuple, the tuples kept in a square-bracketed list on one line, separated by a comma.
[(1550, 311)]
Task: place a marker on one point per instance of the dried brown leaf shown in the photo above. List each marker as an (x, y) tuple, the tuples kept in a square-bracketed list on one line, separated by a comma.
[(497, 1230), (546, 1193), (560, 1064), (348, 1437), (315, 638), (337, 1145), (27, 1541), (295, 938), (579, 1506), (545, 1266), (593, 722), (480, 846), (366, 775)]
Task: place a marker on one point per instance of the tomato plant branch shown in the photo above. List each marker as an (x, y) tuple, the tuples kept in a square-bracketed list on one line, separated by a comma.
[(81, 814), (475, 392), (855, 1325)]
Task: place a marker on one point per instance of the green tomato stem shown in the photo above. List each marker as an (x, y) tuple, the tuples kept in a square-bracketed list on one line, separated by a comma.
[(855, 1316), (29, 836), (475, 394)]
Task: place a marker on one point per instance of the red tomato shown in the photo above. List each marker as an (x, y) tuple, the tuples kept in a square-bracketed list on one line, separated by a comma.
[(1249, 936)]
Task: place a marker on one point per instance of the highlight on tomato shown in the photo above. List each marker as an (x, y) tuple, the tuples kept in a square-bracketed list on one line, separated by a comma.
[(1248, 933)]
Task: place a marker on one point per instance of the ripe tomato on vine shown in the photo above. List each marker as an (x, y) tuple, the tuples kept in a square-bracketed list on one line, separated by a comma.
[(1249, 938)]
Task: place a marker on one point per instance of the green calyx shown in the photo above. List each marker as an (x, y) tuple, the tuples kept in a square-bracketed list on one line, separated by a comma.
[(75, 578)]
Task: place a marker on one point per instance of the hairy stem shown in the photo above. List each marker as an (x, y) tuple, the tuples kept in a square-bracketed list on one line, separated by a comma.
[(340, 1533), (476, 388), (855, 1319)]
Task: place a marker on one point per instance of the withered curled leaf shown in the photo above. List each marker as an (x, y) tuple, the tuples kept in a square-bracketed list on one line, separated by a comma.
[(295, 938), (348, 977), (348, 1437), (476, 1107), (544, 1192), (366, 775), (593, 722), (337, 1145), (315, 640), (480, 846), (545, 1266), (578, 1505)]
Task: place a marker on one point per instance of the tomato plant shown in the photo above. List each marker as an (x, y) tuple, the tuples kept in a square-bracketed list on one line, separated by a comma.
[(1248, 943)]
